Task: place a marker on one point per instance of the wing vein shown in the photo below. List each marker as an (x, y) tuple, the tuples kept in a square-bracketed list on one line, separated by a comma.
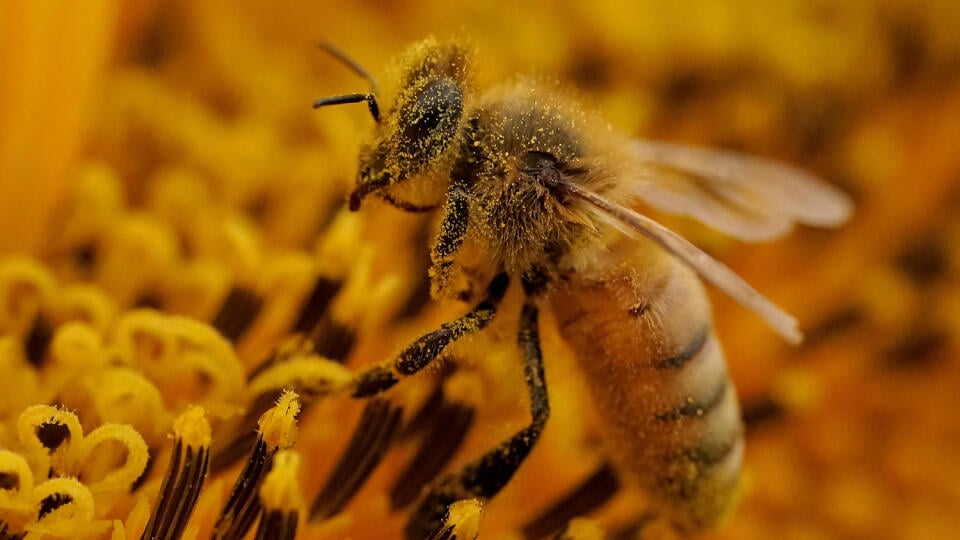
[(748, 197), (704, 265)]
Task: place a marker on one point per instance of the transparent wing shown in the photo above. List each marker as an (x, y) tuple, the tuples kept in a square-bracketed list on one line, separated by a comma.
[(708, 268), (747, 197)]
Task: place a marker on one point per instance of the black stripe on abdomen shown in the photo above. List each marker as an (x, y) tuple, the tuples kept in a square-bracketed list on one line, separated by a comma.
[(688, 353), (709, 454), (694, 408)]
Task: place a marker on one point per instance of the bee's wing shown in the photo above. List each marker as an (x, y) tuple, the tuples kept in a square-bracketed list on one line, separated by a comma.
[(708, 268), (747, 197)]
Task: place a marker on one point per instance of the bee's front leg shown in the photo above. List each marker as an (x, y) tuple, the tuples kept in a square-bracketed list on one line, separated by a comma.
[(453, 228)]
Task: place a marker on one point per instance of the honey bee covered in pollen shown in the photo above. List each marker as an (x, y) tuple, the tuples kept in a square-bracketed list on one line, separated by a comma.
[(533, 191)]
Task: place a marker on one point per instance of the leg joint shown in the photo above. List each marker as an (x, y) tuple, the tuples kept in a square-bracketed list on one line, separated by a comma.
[(374, 381)]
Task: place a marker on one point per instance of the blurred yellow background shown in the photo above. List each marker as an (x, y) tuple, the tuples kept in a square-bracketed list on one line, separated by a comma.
[(855, 434)]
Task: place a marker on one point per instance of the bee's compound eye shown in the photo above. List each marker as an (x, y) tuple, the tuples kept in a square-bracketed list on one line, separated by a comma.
[(435, 111)]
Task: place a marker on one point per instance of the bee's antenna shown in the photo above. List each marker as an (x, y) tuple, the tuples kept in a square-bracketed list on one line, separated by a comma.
[(351, 98), (370, 98)]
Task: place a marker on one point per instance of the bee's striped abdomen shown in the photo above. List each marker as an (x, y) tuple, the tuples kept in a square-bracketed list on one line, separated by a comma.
[(657, 374)]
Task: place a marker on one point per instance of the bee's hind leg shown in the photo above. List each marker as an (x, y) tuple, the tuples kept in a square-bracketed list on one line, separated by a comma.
[(486, 476)]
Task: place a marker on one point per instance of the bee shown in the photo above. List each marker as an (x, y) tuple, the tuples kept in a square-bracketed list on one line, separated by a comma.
[(532, 188)]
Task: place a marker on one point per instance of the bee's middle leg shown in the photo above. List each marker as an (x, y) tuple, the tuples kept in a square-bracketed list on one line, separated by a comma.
[(428, 347), (486, 476), (381, 419)]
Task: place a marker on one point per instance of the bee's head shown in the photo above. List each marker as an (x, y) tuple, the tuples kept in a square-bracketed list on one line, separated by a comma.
[(419, 128)]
